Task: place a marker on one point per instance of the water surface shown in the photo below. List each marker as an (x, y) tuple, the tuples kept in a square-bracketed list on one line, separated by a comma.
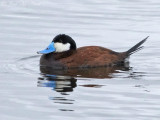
[(125, 93)]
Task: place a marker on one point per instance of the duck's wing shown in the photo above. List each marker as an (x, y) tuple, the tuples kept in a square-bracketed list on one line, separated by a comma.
[(92, 56)]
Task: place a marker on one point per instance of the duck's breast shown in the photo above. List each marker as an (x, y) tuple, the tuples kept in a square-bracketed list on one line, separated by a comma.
[(50, 60)]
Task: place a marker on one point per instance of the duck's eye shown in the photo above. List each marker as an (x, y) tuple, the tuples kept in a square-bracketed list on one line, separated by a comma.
[(47, 48)]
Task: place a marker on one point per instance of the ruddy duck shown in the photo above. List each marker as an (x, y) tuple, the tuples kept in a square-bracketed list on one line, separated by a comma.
[(62, 53)]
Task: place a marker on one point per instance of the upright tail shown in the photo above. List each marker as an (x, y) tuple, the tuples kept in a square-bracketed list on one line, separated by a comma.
[(136, 48)]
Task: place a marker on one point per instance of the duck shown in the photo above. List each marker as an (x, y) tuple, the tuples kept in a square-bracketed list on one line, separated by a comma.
[(62, 53)]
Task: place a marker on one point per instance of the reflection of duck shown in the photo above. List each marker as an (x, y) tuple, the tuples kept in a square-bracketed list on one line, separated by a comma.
[(100, 72), (62, 53), (58, 83)]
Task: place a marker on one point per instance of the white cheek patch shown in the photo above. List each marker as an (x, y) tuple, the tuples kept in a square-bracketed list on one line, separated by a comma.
[(60, 47)]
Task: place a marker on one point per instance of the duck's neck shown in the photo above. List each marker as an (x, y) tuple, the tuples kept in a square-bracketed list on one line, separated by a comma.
[(60, 55)]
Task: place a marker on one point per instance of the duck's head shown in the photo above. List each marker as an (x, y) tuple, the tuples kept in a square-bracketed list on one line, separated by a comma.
[(60, 43)]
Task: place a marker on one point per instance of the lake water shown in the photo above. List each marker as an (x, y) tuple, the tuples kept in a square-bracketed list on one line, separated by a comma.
[(28, 93)]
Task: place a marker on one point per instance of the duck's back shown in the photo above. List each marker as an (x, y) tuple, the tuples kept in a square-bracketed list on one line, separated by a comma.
[(92, 56)]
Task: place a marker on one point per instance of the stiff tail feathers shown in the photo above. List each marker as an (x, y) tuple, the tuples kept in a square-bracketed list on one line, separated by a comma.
[(136, 48)]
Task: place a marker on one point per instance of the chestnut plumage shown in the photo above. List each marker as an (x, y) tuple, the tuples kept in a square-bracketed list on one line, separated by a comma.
[(68, 56)]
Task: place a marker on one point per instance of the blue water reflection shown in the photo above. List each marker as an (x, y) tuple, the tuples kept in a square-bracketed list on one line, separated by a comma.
[(57, 82)]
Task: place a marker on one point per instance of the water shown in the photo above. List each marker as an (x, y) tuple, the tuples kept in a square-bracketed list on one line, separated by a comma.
[(28, 93)]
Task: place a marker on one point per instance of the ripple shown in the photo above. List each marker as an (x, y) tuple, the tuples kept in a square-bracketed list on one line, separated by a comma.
[(27, 65)]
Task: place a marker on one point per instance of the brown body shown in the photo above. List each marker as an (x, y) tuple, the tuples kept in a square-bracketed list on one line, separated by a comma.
[(84, 57)]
